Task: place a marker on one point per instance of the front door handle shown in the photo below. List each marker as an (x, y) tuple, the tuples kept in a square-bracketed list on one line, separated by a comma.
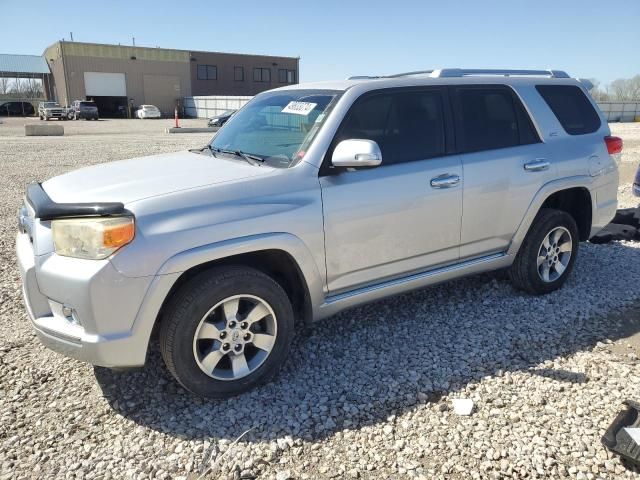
[(538, 165), (445, 181)]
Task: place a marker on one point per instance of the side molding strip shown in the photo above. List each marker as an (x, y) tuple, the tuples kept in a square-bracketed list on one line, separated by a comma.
[(335, 303)]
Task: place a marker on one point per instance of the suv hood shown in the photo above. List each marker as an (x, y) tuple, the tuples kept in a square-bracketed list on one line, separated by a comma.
[(129, 180)]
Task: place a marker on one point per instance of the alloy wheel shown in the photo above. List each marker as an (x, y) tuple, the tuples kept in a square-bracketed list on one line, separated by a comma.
[(235, 337), (554, 254)]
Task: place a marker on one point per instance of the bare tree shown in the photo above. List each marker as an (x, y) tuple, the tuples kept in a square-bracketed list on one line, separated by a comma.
[(626, 88), (27, 88), (5, 85)]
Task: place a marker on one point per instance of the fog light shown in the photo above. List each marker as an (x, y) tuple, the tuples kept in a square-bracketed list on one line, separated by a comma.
[(70, 315)]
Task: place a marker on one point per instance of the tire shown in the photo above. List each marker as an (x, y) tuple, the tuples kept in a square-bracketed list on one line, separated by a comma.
[(526, 274), (205, 297)]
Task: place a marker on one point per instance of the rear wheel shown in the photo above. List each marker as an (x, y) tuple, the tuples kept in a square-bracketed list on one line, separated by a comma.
[(547, 255), (226, 331)]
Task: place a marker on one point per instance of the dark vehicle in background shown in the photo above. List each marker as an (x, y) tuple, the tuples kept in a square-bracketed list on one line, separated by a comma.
[(636, 183), (86, 109), (49, 110), (221, 119), (16, 109)]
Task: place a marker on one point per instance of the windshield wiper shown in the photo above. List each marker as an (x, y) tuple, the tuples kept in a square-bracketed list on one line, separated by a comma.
[(250, 159), (203, 149)]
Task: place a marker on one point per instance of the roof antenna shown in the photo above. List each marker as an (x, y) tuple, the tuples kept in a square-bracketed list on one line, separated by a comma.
[(134, 41), (71, 33)]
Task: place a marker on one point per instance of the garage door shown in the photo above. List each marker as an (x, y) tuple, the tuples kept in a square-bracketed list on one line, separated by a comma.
[(162, 91), (102, 84)]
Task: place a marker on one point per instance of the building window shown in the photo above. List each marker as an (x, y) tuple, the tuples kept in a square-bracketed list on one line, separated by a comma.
[(261, 75), (238, 74), (286, 76), (207, 72)]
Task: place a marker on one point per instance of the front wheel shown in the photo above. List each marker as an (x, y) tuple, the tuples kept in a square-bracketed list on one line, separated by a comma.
[(226, 330), (547, 255)]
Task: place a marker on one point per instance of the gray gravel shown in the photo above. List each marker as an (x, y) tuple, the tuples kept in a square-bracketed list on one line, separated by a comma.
[(365, 394)]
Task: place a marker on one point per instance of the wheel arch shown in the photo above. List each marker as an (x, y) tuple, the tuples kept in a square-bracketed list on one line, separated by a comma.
[(276, 263), (571, 195), (577, 202)]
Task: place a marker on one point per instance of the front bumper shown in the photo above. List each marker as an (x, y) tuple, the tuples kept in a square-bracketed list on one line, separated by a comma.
[(104, 303), (56, 114)]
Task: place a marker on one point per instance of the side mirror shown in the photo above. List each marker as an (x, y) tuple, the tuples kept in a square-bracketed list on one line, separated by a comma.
[(356, 154)]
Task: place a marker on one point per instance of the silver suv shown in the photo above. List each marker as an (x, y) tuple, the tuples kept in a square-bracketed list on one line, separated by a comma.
[(312, 199), (49, 110)]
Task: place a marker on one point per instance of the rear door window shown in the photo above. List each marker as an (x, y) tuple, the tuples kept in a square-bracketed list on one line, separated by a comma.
[(491, 117), (571, 107), (407, 125)]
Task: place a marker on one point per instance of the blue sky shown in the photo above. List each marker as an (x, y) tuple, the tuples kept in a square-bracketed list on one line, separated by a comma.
[(336, 39)]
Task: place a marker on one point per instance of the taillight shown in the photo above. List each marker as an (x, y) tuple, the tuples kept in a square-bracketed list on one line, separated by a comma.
[(614, 144)]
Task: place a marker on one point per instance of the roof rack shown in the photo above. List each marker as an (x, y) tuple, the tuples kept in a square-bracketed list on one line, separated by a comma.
[(464, 72)]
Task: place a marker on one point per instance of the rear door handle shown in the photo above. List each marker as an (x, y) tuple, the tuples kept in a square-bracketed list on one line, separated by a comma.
[(538, 165), (445, 181)]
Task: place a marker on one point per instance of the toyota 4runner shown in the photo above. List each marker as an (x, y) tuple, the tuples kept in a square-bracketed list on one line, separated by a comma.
[(312, 199)]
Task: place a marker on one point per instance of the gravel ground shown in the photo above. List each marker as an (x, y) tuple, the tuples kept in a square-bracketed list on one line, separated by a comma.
[(366, 394)]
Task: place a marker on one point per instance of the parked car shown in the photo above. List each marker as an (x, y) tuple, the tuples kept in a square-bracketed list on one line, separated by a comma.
[(148, 111), (220, 120), (85, 109), (16, 109), (310, 200), (49, 110)]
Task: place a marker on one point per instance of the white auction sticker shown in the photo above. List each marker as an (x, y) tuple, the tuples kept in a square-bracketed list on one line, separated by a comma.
[(299, 108)]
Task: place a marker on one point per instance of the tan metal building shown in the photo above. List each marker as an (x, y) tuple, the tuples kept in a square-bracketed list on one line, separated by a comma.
[(116, 76)]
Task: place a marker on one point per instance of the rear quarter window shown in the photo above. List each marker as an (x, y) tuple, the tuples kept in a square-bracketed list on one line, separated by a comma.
[(571, 107)]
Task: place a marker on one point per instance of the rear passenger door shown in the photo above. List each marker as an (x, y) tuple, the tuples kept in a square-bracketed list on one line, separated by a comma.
[(504, 164), (404, 215)]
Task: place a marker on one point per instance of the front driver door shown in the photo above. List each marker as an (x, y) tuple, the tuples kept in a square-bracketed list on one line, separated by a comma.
[(405, 215)]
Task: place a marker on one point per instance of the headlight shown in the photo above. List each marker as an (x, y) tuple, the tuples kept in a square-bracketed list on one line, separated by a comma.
[(91, 238)]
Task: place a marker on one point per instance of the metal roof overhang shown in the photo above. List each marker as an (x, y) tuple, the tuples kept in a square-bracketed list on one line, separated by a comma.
[(12, 65)]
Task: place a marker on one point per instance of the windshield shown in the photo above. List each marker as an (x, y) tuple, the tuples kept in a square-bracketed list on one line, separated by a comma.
[(50, 104), (276, 126), (87, 104)]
